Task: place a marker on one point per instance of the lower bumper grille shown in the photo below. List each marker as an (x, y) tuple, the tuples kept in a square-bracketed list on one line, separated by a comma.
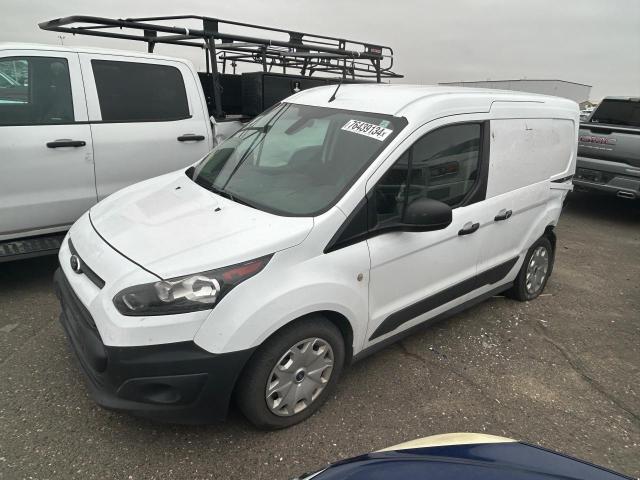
[(81, 329)]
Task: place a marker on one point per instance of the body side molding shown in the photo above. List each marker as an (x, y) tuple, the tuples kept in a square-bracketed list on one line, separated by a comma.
[(438, 318), (488, 277)]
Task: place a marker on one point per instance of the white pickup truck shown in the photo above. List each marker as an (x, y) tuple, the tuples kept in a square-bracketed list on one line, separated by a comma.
[(78, 124)]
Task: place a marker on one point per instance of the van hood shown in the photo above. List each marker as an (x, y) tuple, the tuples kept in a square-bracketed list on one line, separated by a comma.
[(171, 226)]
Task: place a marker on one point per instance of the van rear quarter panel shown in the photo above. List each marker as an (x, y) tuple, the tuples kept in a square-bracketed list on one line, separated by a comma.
[(525, 151), (529, 150)]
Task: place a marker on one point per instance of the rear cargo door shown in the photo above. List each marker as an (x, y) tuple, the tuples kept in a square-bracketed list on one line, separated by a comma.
[(148, 117), (525, 154)]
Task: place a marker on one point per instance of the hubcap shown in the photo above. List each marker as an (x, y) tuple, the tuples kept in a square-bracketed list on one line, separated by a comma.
[(537, 270), (299, 377)]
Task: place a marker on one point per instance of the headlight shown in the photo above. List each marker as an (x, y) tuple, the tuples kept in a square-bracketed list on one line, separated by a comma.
[(190, 293)]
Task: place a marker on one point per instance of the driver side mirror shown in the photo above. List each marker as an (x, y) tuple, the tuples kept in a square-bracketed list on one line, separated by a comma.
[(427, 214)]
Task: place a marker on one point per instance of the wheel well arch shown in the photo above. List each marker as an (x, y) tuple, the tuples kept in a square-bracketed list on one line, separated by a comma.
[(338, 319), (343, 324), (550, 233)]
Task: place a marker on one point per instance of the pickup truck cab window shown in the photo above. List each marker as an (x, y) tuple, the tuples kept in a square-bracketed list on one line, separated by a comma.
[(618, 112), (125, 95), (35, 91), (297, 160)]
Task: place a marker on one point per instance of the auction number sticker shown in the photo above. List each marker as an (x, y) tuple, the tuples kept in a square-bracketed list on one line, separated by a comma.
[(367, 129)]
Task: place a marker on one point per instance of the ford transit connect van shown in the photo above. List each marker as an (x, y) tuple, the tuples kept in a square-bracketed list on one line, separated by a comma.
[(329, 226)]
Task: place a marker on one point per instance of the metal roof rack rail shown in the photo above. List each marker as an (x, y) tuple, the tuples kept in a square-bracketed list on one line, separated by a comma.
[(303, 53)]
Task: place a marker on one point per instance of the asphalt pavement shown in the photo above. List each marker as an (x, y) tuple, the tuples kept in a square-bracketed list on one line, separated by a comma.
[(562, 371)]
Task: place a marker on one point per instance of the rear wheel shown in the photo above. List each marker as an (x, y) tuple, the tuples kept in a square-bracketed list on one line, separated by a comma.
[(292, 374), (534, 272)]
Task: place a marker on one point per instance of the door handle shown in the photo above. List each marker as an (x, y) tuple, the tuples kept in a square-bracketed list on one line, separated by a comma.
[(190, 137), (469, 228), (503, 215), (66, 143)]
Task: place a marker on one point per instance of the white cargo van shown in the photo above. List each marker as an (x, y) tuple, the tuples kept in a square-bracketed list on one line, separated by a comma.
[(321, 231)]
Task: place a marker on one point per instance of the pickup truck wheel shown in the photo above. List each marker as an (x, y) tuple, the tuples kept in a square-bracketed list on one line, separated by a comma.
[(534, 272), (292, 374)]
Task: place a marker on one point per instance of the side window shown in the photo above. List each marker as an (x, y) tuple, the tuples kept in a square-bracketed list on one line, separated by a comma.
[(442, 165), (139, 92), (35, 91)]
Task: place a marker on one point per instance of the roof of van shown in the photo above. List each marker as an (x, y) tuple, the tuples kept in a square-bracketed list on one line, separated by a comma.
[(90, 50), (405, 100)]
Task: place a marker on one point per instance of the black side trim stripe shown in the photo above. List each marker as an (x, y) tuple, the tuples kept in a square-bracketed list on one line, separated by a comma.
[(563, 179), (488, 277), (438, 318)]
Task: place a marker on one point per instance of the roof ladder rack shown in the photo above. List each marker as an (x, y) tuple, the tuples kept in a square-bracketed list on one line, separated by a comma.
[(291, 51)]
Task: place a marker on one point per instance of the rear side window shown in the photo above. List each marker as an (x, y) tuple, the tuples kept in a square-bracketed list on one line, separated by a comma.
[(442, 165), (139, 92), (35, 91), (618, 112)]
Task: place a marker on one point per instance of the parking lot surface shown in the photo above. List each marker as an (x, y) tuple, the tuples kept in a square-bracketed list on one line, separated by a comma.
[(562, 371)]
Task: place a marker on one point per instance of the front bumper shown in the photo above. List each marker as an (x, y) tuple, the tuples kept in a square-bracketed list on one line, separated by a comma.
[(175, 382), (609, 177)]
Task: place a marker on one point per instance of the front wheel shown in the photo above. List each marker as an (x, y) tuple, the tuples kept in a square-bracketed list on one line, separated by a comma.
[(534, 272), (292, 374)]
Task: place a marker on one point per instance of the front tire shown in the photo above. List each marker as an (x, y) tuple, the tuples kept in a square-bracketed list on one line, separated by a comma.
[(292, 374), (535, 271)]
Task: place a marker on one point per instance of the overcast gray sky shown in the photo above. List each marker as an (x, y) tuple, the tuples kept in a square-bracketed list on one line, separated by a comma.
[(596, 42)]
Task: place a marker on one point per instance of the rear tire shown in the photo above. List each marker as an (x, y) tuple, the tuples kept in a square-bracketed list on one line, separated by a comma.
[(292, 374), (535, 271)]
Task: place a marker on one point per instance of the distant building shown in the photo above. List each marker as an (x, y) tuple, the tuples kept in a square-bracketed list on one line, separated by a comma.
[(587, 104), (577, 92)]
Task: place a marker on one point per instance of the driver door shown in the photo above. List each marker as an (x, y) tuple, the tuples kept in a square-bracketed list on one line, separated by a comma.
[(417, 275)]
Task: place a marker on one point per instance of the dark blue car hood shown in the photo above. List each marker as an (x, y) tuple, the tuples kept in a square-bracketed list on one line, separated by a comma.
[(488, 461)]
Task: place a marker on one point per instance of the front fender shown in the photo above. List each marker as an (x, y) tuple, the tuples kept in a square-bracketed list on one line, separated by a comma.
[(286, 290)]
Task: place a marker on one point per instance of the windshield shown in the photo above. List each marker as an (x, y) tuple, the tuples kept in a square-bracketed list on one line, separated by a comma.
[(295, 159), (618, 112)]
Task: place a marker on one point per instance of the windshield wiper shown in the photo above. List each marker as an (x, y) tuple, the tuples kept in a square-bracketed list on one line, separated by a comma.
[(222, 192), (212, 188)]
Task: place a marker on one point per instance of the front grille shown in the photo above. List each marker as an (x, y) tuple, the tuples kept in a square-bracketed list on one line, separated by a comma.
[(84, 268)]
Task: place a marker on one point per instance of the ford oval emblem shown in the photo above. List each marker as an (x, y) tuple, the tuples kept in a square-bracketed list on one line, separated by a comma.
[(76, 265)]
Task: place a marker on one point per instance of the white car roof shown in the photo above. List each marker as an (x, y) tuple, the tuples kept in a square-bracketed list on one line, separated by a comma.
[(89, 50), (414, 101)]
